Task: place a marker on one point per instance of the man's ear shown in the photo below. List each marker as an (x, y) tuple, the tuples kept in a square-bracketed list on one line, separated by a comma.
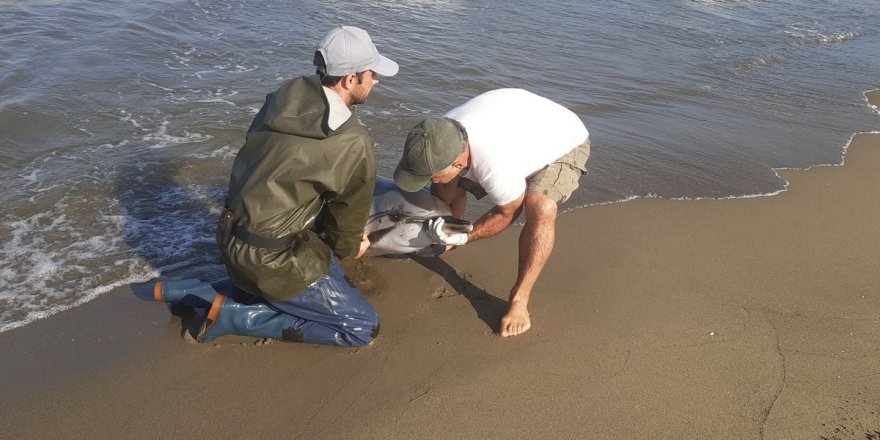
[(349, 81)]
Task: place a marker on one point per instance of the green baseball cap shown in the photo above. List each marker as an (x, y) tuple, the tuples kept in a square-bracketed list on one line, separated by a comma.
[(432, 145)]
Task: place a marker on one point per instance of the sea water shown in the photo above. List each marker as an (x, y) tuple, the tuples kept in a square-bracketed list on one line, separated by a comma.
[(119, 121)]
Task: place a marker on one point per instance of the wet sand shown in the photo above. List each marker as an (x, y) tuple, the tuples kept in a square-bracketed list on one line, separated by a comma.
[(746, 318)]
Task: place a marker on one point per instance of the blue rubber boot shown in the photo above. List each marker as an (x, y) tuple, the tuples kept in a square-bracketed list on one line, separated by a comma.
[(228, 317), (190, 293)]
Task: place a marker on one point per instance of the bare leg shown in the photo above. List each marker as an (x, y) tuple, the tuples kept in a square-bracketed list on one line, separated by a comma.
[(535, 245)]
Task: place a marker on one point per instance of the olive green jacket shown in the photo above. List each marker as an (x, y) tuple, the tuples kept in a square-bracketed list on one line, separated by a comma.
[(292, 168)]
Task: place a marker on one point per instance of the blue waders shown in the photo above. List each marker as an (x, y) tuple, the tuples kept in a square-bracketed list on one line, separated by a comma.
[(331, 311)]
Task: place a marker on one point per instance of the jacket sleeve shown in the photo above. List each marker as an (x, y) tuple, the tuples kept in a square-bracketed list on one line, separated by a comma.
[(347, 211)]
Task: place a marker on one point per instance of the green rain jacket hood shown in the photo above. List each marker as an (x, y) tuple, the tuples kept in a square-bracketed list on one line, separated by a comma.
[(295, 176)]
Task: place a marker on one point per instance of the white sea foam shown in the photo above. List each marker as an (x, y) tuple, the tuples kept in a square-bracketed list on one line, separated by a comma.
[(806, 34), (181, 60), (224, 153), (127, 117), (87, 296), (219, 96), (158, 86), (162, 139), (215, 100), (32, 177), (871, 106)]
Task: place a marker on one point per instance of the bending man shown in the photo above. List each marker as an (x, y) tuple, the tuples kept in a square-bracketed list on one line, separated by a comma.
[(524, 151)]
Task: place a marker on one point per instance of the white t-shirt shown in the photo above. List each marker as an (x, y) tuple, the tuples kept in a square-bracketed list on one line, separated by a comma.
[(513, 133)]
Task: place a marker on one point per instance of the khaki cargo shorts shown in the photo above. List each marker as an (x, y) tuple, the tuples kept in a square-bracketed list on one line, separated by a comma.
[(559, 179)]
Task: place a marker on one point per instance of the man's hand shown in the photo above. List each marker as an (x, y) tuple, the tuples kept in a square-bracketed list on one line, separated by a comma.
[(436, 232), (365, 244), (516, 321)]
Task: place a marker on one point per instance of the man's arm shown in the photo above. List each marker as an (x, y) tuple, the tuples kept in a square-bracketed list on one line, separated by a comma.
[(454, 196), (348, 210), (490, 224), (496, 220)]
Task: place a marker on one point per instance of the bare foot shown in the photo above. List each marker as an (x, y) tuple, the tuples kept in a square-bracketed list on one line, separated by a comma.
[(516, 321)]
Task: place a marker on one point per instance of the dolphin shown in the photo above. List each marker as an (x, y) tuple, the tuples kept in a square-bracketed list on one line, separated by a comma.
[(398, 221)]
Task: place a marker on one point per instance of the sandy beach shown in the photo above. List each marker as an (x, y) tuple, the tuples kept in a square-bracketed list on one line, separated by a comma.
[(712, 319)]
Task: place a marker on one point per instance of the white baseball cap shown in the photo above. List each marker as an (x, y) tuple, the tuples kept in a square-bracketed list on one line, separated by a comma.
[(349, 49)]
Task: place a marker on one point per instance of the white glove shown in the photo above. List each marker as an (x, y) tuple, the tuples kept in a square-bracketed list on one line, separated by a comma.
[(436, 232)]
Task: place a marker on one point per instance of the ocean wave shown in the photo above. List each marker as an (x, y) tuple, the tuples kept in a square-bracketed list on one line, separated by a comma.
[(868, 95), (65, 252), (35, 2), (725, 2), (760, 63), (225, 153), (159, 137), (802, 34)]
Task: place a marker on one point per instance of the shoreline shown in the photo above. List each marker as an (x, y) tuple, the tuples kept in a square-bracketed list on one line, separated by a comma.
[(872, 99), (733, 318)]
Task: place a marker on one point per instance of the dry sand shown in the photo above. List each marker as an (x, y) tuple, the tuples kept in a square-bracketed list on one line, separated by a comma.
[(746, 318)]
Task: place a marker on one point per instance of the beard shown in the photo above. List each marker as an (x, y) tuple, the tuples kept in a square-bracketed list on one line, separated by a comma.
[(360, 92)]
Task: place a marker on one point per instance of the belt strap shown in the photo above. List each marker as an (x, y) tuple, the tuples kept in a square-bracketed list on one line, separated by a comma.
[(272, 244)]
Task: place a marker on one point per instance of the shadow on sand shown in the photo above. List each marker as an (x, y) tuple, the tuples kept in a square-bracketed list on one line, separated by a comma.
[(490, 309)]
